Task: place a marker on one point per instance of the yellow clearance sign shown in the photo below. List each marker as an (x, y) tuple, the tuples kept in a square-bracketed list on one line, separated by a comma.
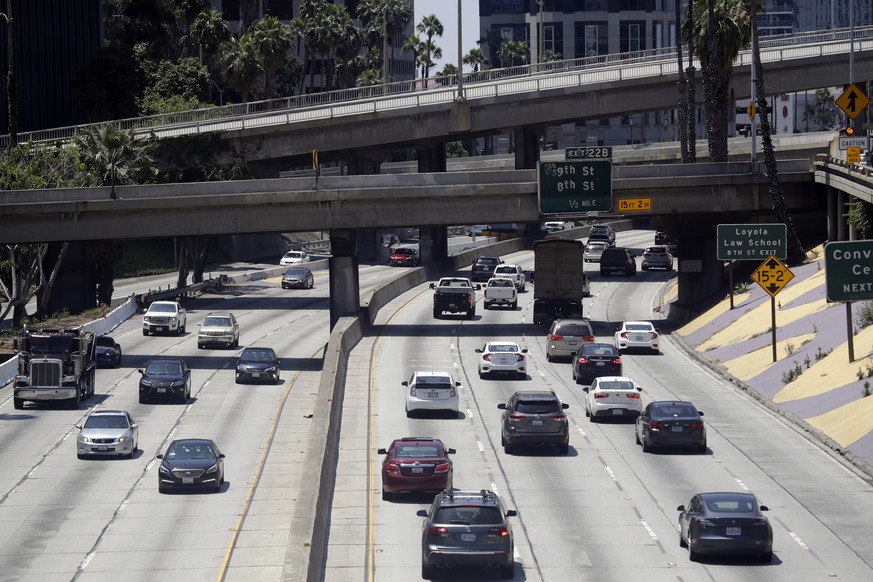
[(772, 275), (634, 204), (853, 155)]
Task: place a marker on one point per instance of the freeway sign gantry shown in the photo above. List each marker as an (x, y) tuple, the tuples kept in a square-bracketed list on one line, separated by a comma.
[(573, 187)]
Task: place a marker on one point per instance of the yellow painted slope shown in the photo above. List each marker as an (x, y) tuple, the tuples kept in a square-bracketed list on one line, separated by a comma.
[(847, 423), (750, 365), (708, 316)]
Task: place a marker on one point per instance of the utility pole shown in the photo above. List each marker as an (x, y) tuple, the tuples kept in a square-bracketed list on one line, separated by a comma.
[(385, 44), (540, 44), (461, 96)]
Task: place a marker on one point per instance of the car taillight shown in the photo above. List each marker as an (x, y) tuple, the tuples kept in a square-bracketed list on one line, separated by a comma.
[(559, 416), (452, 391), (623, 335), (498, 531), (437, 531), (647, 254), (654, 425), (617, 361), (600, 395), (392, 468), (583, 360), (633, 395), (519, 357), (703, 523), (516, 417), (487, 357), (654, 334), (442, 468), (412, 390), (557, 338), (698, 425), (588, 338)]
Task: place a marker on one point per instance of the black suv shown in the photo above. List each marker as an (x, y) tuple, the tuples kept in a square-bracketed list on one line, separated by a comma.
[(618, 259), (165, 378), (483, 267), (534, 417), (466, 528)]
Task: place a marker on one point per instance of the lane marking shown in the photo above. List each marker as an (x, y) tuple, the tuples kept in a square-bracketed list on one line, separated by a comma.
[(649, 530), (470, 414), (494, 487), (480, 445), (741, 484), (86, 561), (611, 474), (580, 430), (797, 539)]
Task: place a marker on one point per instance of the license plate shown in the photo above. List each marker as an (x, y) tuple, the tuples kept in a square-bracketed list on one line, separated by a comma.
[(639, 338), (572, 342), (468, 537), (601, 363), (433, 394), (162, 390), (732, 531), (677, 428), (418, 469), (187, 480), (159, 329), (536, 423), (102, 448), (618, 411), (256, 374)]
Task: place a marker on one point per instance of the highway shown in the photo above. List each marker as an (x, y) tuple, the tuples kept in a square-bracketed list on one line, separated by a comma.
[(605, 511)]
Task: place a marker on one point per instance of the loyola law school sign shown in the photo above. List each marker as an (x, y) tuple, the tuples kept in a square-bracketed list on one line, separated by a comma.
[(744, 242)]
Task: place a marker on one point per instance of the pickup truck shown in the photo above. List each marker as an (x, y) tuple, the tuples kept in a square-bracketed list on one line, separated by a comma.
[(455, 295), (501, 291), (164, 317), (513, 272)]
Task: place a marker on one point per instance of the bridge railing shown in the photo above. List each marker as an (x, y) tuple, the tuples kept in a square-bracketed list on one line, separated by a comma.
[(443, 89)]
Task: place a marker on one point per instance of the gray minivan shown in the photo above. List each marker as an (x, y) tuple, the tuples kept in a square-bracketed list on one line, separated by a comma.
[(565, 337)]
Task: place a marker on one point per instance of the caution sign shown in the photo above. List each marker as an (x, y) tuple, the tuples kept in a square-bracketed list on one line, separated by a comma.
[(772, 275), (751, 110), (853, 155), (853, 101)]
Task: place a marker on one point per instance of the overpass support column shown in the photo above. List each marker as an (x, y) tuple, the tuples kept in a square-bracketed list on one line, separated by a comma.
[(433, 243), (527, 148), (842, 224), (363, 163), (432, 159), (701, 275), (345, 288), (833, 214)]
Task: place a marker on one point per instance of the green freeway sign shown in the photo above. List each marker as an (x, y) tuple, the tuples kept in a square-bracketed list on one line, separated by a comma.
[(574, 187), (588, 153), (743, 242), (849, 270)]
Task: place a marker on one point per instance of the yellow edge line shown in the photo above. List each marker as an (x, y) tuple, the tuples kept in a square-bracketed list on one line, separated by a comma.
[(222, 572)]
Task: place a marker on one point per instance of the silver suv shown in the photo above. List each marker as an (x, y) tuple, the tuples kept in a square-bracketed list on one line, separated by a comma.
[(566, 336), (602, 232), (464, 528), (534, 417), (219, 328)]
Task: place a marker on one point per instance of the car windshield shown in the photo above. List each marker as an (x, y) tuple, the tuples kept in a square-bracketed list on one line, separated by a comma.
[(572, 330), (107, 421), (417, 452), (257, 356), (295, 273), (537, 406), (638, 327), (616, 385), (486, 262), (454, 283), (656, 250), (502, 283), (403, 251), (162, 308), (502, 348), (190, 451), (509, 270), (730, 503), (105, 341), (293, 255), (59, 344), (217, 321), (163, 368), (674, 410), (469, 515), (599, 350)]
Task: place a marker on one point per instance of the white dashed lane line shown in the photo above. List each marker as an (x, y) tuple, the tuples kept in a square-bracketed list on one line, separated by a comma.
[(799, 541)]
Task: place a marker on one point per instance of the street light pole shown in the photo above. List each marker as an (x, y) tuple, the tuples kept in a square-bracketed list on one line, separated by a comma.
[(540, 43), (460, 57), (12, 103), (385, 43)]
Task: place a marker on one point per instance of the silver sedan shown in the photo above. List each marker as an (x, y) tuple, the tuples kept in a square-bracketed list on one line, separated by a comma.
[(107, 433)]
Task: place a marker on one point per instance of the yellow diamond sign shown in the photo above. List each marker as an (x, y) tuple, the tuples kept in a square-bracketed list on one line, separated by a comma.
[(751, 110), (772, 275), (853, 101)]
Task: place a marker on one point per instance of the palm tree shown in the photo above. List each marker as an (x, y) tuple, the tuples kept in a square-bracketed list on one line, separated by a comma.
[(682, 102), (341, 40), (430, 26), (511, 50), (550, 56), (476, 59), (208, 32), (273, 40), (393, 15), (347, 48), (115, 155), (241, 66), (720, 29)]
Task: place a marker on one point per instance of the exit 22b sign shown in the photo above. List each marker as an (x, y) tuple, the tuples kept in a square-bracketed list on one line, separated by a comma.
[(574, 187)]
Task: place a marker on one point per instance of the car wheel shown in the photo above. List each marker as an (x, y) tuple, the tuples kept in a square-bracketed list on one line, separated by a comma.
[(692, 555), (481, 375), (563, 449), (578, 379), (145, 332), (514, 305), (682, 543), (507, 571), (386, 496), (426, 572), (436, 314), (594, 418), (645, 268), (507, 448), (587, 412), (408, 414), (18, 403), (637, 439), (161, 489), (80, 456), (767, 557), (142, 399), (548, 357), (522, 376), (184, 327), (701, 448), (646, 447), (199, 346)]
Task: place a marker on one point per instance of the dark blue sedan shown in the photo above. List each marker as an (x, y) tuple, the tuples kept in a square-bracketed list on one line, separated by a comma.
[(108, 352), (189, 464), (725, 523)]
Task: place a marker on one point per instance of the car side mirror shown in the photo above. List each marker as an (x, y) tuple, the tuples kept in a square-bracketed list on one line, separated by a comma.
[(764, 508), (585, 389), (134, 425), (141, 371), (700, 412), (478, 287), (432, 286), (451, 451), (381, 452), (404, 383), (565, 406), (511, 513), (640, 388), (79, 426), (161, 456), (200, 325), (680, 508), (458, 384), (524, 351), (278, 362), (220, 455), (502, 406), (478, 350), (421, 513)]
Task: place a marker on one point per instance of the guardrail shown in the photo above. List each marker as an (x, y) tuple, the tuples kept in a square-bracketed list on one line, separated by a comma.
[(443, 89), (210, 284)]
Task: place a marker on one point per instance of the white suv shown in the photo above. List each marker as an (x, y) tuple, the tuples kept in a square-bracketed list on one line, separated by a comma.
[(432, 391), (164, 317), (513, 272)]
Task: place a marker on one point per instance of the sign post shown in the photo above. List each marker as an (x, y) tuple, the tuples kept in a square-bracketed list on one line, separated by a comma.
[(772, 276), (849, 277), (742, 242), (574, 187)]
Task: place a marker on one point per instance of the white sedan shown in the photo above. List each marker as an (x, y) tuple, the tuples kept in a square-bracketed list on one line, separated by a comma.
[(433, 392), (293, 258), (636, 334), (593, 250), (501, 356), (613, 396)]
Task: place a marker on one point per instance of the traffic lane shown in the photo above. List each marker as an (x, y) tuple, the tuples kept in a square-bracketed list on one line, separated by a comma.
[(156, 423)]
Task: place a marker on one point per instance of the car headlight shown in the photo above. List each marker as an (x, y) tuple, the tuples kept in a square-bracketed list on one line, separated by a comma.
[(122, 439), (163, 470), (176, 384), (213, 468), (145, 382), (271, 369), (84, 439)]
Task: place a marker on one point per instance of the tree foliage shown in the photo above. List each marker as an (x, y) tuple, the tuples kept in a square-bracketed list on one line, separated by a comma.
[(823, 112)]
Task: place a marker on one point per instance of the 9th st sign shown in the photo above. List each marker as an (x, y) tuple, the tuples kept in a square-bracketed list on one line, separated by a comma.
[(849, 270), (574, 187)]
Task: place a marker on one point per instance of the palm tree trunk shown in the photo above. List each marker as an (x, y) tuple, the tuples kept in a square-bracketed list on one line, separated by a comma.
[(680, 86), (796, 255), (691, 88), (711, 85)]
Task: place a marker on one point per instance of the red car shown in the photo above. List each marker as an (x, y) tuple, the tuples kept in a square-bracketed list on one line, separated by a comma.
[(416, 464), (404, 257)]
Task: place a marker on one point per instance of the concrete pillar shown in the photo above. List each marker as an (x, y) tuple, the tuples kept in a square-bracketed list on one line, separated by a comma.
[(433, 243), (842, 225), (365, 162), (832, 214), (345, 290), (701, 275), (527, 148), (432, 159)]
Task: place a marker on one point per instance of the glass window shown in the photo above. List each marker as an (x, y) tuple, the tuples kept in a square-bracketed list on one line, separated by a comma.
[(537, 406)]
